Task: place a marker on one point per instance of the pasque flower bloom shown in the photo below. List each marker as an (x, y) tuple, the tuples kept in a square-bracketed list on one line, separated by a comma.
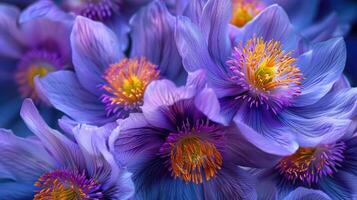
[(180, 146), (51, 166), (29, 48), (106, 85), (269, 80)]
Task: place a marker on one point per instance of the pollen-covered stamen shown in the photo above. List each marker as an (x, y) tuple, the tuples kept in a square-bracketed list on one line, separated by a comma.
[(267, 72), (193, 152), (64, 184), (245, 10), (98, 10), (309, 165), (35, 63), (126, 84)]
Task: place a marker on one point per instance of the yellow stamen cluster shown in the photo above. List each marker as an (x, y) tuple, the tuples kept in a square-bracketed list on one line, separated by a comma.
[(267, 66), (244, 11), (194, 159), (128, 79)]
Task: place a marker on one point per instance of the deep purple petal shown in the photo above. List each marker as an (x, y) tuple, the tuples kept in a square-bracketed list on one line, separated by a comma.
[(94, 47)]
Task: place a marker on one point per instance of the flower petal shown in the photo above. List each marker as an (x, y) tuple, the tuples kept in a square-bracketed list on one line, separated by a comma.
[(321, 68), (153, 26), (307, 194), (94, 47), (66, 94)]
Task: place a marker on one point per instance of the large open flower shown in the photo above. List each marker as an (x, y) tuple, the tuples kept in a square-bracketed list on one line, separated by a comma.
[(29, 48), (51, 166), (180, 146), (269, 80), (106, 85)]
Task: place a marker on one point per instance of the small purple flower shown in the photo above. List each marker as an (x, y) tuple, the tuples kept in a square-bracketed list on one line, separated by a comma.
[(106, 85), (51, 166), (329, 166), (28, 49), (180, 146), (269, 81)]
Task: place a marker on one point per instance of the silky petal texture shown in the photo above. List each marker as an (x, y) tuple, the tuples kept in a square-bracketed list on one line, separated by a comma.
[(195, 55), (301, 13), (321, 68), (216, 16), (206, 101), (67, 95), (272, 24), (11, 44), (194, 10), (153, 26), (273, 142), (121, 28), (327, 28), (177, 7), (230, 183), (61, 148), (92, 141), (240, 150), (20, 161), (45, 9), (163, 93), (307, 194), (341, 186), (95, 47), (135, 138)]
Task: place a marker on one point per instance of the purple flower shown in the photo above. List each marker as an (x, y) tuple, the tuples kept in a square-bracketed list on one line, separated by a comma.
[(306, 194), (329, 166), (269, 81), (28, 49), (51, 166), (180, 146), (106, 85)]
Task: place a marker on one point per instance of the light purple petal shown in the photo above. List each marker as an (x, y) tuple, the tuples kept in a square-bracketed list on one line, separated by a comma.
[(214, 23), (65, 93), (10, 36), (153, 26), (321, 67), (94, 47), (61, 148)]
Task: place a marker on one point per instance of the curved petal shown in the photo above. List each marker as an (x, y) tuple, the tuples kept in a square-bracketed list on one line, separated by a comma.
[(272, 24), (120, 27), (341, 186), (275, 142), (11, 42), (45, 9), (307, 194), (135, 141), (65, 93), (153, 26), (321, 68), (214, 23), (20, 161), (61, 148), (163, 93), (94, 48)]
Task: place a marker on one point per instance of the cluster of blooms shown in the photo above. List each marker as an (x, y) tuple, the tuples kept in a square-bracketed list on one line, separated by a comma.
[(185, 99)]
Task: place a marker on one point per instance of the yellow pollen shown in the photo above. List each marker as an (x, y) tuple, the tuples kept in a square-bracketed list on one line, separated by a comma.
[(193, 159), (56, 189), (244, 11), (128, 79), (299, 162), (267, 66), (26, 82)]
